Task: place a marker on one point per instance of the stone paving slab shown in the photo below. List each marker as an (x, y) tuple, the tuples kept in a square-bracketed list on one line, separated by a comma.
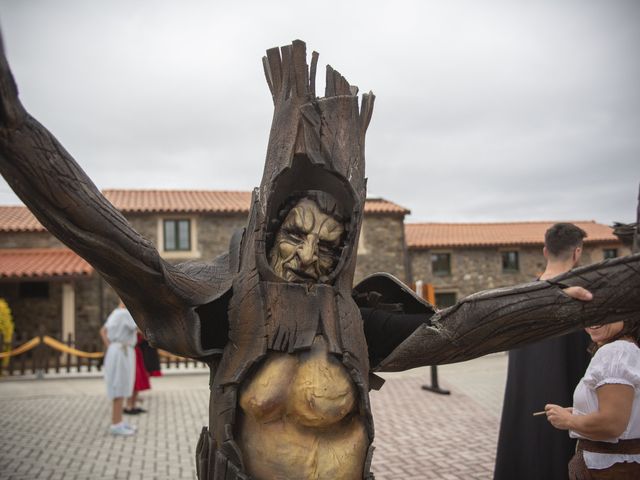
[(58, 429)]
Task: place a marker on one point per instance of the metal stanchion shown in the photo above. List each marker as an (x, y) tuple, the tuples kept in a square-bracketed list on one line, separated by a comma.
[(435, 386)]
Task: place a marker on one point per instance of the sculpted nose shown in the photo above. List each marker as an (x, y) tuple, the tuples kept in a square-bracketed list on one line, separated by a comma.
[(308, 251)]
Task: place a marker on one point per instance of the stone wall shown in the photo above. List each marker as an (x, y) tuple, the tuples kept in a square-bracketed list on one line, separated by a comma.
[(595, 253), (95, 299), (382, 246), (91, 309), (30, 313), (476, 269), (29, 240), (145, 224), (214, 231), (381, 249)]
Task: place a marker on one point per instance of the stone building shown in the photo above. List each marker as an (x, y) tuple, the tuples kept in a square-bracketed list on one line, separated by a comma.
[(48, 286), (459, 259)]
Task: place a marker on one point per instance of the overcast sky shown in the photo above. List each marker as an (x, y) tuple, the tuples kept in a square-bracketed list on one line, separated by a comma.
[(485, 110)]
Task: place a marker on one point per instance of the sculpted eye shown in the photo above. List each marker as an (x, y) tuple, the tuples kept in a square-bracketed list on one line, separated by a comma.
[(327, 248), (295, 234)]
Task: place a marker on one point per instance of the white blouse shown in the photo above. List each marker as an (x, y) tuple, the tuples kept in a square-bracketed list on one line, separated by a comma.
[(614, 363)]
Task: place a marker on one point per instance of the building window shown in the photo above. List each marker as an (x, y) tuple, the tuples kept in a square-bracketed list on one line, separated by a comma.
[(33, 290), (609, 253), (446, 299), (510, 262), (177, 235), (441, 263)]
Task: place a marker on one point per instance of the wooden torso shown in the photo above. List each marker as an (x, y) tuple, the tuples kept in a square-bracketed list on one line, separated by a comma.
[(299, 418)]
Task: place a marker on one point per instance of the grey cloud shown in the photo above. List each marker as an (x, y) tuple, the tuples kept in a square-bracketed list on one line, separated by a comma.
[(486, 110)]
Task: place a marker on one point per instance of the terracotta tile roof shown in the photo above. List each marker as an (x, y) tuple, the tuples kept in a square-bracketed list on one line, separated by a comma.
[(179, 201), (380, 205), (210, 201), (35, 263), (18, 219), (439, 235)]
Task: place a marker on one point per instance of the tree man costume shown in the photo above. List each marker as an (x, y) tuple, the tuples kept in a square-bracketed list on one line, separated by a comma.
[(291, 346)]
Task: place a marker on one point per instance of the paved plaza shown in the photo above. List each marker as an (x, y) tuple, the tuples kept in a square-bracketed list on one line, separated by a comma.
[(58, 428)]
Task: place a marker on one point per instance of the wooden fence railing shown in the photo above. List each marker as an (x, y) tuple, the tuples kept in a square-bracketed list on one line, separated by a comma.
[(39, 354)]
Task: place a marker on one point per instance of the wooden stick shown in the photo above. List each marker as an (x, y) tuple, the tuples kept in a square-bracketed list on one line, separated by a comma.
[(536, 414)]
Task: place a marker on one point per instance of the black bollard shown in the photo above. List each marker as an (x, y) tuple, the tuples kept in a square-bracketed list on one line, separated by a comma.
[(435, 387)]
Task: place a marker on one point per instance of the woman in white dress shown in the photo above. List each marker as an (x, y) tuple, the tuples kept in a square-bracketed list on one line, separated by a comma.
[(119, 336), (606, 407)]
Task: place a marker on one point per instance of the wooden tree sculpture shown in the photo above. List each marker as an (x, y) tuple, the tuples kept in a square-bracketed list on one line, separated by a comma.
[(292, 348)]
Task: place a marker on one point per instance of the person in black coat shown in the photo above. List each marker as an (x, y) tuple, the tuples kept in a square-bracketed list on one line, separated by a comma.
[(541, 373)]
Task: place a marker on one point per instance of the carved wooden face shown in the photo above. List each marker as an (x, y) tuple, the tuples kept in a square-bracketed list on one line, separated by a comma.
[(307, 244)]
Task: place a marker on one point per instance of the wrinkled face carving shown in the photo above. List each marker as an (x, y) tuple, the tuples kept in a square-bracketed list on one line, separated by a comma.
[(307, 244)]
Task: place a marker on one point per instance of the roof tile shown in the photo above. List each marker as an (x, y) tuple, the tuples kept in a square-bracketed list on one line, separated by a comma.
[(35, 263), (211, 201), (20, 219), (179, 201), (440, 235)]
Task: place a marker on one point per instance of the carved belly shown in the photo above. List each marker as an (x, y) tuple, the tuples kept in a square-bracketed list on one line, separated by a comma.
[(299, 419)]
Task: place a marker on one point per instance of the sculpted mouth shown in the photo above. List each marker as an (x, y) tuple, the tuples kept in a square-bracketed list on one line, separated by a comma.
[(301, 275)]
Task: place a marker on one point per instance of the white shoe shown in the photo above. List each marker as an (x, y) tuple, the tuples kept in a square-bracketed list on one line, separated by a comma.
[(130, 427), (121, 429)]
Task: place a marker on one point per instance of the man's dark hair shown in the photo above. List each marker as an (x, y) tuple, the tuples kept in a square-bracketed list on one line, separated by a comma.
[(562, 238)]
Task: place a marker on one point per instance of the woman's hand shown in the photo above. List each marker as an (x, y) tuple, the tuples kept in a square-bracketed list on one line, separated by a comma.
[(606, 423), (559, 417)]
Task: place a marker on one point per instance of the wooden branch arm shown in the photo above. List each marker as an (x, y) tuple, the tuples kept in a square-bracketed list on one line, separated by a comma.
[(63, 198), (508, 318), (68, 204), (162, 298), (12, 112)]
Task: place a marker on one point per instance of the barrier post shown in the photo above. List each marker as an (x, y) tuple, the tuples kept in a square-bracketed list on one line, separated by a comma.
[(69, 344), (39, 355), (430, 297)]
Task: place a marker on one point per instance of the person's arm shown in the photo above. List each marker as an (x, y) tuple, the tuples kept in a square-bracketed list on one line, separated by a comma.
[(608, 422), (104, 336)]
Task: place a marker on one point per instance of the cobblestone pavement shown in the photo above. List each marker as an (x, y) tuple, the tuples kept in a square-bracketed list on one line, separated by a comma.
[(57, 428)]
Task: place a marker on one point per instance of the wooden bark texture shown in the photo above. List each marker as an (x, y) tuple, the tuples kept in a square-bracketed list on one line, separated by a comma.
[(315, 143), (507, 318)]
